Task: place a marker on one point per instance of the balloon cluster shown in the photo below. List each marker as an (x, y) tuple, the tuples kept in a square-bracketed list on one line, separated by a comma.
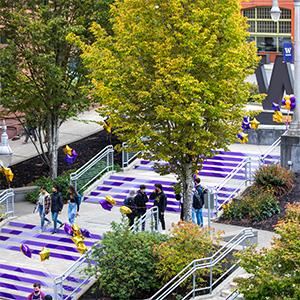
[(7, 172), (44, 253), (78, 236), (108, 202), (71, 155), (289, 103), (246, 125)]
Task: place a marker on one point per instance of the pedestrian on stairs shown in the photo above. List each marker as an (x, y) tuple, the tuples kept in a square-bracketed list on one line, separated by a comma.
[(56, 207), (198, 202), (140, 201), (37, 294), (130, 203), (43, 206), (74, 203), (160, 201)]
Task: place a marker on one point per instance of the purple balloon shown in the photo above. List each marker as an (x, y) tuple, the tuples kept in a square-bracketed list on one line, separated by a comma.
[(293, 105), (69, 159), (68, 229), (246, 125), (275, 106), (105, 204), (293, 99), (74, 154), (26, 250), (85, 233), (239, 136)]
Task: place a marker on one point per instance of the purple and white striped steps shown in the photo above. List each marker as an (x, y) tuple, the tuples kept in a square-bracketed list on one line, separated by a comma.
[(15, 280)]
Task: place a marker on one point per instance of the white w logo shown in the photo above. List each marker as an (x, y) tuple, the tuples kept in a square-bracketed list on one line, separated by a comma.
[(288, 50)]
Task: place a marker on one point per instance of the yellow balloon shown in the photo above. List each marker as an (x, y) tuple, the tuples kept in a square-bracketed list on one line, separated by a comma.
[(287, 97), (244, 138), (7, 172), (68, 150), (77, 240), (125, 210), (81, 248), (76, 230), (44, 254), (254, 124), (110, 199), (107, 127), (277, 116)]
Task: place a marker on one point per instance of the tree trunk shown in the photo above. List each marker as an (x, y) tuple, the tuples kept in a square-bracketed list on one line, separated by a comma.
[(53, 146), (187, 191)]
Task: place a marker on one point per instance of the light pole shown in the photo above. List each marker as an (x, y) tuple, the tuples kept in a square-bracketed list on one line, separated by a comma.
[(5, 150), (275, 15), (290, 142)]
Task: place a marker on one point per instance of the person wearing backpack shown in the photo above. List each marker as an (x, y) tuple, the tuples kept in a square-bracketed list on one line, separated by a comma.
[(140, 201), (198, 202), (56, 207), (130, 203)]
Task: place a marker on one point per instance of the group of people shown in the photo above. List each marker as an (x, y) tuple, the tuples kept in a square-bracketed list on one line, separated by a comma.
[(54, 202), (136, 201)]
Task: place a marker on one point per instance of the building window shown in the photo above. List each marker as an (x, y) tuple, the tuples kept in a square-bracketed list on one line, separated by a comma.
[(268, 35)]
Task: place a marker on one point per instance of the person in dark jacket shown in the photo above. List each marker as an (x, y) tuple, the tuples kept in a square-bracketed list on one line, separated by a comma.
[(160, 200), (140, 201), (198, 202), (56, 207), (129, 202)]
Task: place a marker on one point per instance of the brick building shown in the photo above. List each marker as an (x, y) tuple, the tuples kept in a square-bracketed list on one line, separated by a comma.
[(268, 35)]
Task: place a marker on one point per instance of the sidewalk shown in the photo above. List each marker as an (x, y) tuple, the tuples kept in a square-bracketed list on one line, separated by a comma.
[(71, 131)]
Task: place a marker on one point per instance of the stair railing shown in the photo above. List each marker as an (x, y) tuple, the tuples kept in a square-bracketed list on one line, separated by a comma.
[(147, 222), (233, 295), (7, 203), (75, 271), (99, 164), (128, 157), (245, 165), (244, 238), (263, 157)]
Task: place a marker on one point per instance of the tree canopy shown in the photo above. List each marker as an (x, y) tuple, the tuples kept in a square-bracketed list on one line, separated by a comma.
[(172, 78), (41, 73)]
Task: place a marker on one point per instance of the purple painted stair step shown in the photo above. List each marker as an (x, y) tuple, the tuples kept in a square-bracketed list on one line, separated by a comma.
[(142, 181), (42, 236), (5, 295), (16, 287), (25, 270), (52, 254), (59, 231), (31, 281), (135, 185)]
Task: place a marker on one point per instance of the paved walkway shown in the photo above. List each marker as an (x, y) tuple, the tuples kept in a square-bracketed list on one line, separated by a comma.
[(71, 131)]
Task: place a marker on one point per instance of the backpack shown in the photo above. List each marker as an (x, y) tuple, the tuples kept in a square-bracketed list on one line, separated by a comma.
[(198, 198)]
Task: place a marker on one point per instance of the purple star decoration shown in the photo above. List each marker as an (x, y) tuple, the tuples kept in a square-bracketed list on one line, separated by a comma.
[(70, 159), (105, 205)]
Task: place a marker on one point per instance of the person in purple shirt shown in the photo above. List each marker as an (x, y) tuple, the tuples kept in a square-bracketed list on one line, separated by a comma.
[(37, 294)]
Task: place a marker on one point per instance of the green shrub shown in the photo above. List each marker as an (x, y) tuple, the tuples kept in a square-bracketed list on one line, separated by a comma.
[(275, 270), (274, 178), (187, 243), (257, 205), (63, 181), (125, 263)]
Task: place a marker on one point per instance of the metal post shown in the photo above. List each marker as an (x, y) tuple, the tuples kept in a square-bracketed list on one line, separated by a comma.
[(210, 277), (194, 280), (208, 209)]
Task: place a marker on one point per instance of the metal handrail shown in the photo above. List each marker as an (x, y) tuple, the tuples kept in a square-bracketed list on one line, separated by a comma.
[(126, 160), (208, 262), (58, 281), (151, 214), (107, 153), (7, 198), (233, 295)]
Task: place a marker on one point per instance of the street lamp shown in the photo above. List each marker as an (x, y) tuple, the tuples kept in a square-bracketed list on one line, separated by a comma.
[(5, 150), (290, 142), (275, 11)]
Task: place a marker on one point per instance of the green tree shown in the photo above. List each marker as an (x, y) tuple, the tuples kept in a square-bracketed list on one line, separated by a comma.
[(172, 78), (41, 73), (276, 271)]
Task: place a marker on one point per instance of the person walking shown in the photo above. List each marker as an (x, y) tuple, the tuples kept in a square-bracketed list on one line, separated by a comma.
[(140, 201), (56, 207), (37, 294), (74, 203), (43, 206), (198, 202), (130, 203), (160, 200)]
